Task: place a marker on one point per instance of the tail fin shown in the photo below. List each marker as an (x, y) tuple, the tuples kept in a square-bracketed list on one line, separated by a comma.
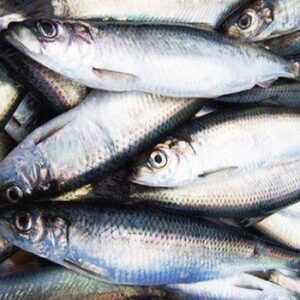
[(10, 11)]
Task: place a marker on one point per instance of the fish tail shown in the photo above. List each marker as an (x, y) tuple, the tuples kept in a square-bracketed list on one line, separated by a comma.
[(27, 9)]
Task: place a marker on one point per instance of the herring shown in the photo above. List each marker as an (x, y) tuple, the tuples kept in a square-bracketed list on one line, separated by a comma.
[(145, 247), (166, 60)]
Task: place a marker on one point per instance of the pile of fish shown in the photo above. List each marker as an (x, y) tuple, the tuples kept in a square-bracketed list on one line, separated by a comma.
[(150, 149)]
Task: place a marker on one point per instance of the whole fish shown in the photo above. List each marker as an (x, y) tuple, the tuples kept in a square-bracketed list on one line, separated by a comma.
[(241, 287), (165, 60), (281, 93), (220, 145), (168, 11), (254, 193), (11, 94), (55, 91), (145, 247), (53, 282), (89, 142), (283, 226), (28, 116), (286, 45), (265, 19)]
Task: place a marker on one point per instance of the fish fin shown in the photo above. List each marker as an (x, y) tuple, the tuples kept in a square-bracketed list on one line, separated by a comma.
[(97, 274), (221, 171), (113, 77), (252, 221), (296, 69), (267, 83), (53, 128)]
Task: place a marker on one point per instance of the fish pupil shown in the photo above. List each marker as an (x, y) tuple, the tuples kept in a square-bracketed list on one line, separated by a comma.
[(14, 194), (158, 158), (47, 29), (245, 21)]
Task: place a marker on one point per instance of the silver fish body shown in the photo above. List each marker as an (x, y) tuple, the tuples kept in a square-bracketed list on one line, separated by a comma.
[(53, 282), (265, 19), (89, 142), (220, 145), (281, 93), (165, 60), (210, 13), (254, 193), (283, 226), (145, 247), (241, 287)]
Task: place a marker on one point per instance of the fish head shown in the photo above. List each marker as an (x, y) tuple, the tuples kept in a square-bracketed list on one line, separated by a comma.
[(252, 22), (23, 175), (59, 46), (167, 165), (35, 229)]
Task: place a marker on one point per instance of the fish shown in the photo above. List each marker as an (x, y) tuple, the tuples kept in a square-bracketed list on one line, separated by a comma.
[(146, 247), (286, 45), (281, 94), (54, 282), (11, 94), (282, 226), (29, 115), (166, 60), (89, 142), (210, 13), (264, 19), (240, 287), (219, 145), (287, 282), (56, 92), (252, 194)]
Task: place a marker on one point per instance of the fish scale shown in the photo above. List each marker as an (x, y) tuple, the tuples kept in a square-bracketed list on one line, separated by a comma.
[(184, 250)]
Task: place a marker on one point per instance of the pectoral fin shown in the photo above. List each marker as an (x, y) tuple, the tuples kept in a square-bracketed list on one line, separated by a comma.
[(86, 269), (113, 78), (267, 83), (218, 172)]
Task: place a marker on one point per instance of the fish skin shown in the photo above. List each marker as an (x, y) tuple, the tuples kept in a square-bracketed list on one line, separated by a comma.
[(210, 13), (56, 92), (103, 132), (247, 138), (283, 226), (11, 94), (154, 59), (270, 19), (165, 249), (286, 45), (281, 93), (55, 283), (29, 115), (241, 287)]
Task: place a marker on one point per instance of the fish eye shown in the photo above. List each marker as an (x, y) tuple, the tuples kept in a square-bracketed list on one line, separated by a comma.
[(245, 21), (158, 159), (47, 29), (23, 222), (14, 194)]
